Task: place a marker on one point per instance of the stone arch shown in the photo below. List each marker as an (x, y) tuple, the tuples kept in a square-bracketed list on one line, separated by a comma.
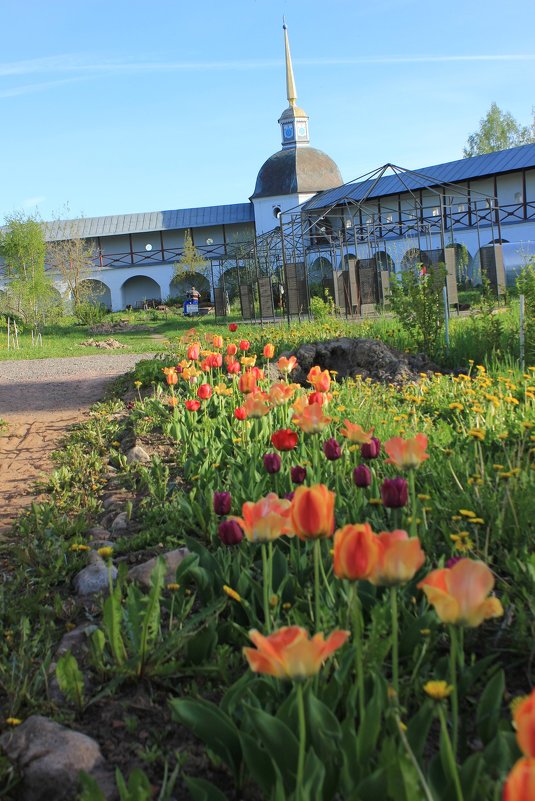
[(320, 268), (181, 285), (463, 260), (138, 289), (97, 292), (412, 257), (384, 261), (230, 279), (346, 261)]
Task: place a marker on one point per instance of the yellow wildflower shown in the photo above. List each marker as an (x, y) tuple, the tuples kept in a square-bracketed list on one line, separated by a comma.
[(173, 586), (13, 721), (232, 593), (438, 690), (105, 551)]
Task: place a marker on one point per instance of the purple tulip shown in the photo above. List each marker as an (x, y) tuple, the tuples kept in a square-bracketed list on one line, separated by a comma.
[(222, 503), (362, 476), (298, 474), (290, 495), (230, 532), (453, 561), (395, 492), (371, 450), (332, 449), (272, 462)]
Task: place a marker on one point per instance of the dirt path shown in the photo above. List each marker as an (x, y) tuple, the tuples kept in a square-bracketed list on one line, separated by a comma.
[(40, 400)]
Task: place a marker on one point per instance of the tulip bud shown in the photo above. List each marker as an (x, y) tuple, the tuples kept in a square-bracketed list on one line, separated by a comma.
[(362, 476), (272, 462), (290, 495), (298, 474), (269, 351), (233, 327), (222, 503), (332, 449), (192, 405), (245, 344), (204, 392), (172, 378), (371, 450), (240, 413), (230, 532), (394, 492)]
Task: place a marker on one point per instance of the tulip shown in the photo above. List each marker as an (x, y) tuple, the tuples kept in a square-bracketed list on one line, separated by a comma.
[(233, 327), (371, 450), (272, 462), (332, 449), (312, 420), (245, 344), (289, 653), (269, 351), (222, 502), (265, 520), (524, 717), (400, 557), (356, 552), (280, 393), (248, 361), (172, 378), (298, 474), (394, 492), (407, 454), (229, 532), (240, 413), (233, 368), (256, 404), (232, 349), (355, 433), (520, 783), (212, 361), (204, 392), (362, 476), (313, 512), (320, 380), (460, 593), (317, 397), (194, 351), (217, 341), (247, 382), (284, 439), (192, 405), (286, 365)]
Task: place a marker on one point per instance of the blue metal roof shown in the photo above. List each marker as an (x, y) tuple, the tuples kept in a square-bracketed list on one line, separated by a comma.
[(515, 158), (150, 221)]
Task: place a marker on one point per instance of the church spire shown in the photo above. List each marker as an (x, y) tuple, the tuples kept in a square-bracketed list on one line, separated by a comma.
[(291, 92), (293, 120)]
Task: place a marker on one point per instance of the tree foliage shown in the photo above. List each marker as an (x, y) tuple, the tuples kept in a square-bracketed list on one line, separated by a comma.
[(73, 258), (191, 261), (498, 130), (416, 298), (29, 292)]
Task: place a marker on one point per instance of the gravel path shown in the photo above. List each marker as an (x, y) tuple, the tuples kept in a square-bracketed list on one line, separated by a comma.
[(39, 400)]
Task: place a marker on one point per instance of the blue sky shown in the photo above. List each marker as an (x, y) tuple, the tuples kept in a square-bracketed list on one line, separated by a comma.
[(115, 106)]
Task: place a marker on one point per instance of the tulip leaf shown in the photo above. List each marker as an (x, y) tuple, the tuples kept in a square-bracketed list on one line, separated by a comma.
[(280, 568), (202, 645), (370, 727), (373, 786), (203, 790), (501, 752), (419, 726), (324, 729), (470, 775), (279, 741), (258, 762), (314, 777), (212, 726), (489, 707)]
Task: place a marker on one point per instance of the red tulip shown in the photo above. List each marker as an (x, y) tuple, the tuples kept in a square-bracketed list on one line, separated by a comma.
[(232, 349), (313, 512), (193, 405), (245, 344), (204, 392), (233, 327), (240, 413), (193, 351), (247, 382), (284, 439)]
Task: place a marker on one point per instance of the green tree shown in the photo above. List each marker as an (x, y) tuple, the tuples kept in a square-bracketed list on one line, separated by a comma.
[(73, 258), (416, 298), (498, 130), (191, 261), (29, 292)]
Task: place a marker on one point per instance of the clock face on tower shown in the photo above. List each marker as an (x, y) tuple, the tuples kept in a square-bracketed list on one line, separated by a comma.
[(288, 131), (301, 130)]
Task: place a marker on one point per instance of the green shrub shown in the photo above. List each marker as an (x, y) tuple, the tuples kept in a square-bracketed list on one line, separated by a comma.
[(90, 313), (417, 302)]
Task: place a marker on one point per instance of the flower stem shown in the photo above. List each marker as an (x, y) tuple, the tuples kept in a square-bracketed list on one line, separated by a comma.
[(453, 682), (450, 754), (265, 579), (302, 741), (356, 616), (317, 556), (425, 787), (412, 490), (395, 649)]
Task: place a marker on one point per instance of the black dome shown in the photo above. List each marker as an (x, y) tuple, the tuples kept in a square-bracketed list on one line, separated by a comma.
[(299, 169)]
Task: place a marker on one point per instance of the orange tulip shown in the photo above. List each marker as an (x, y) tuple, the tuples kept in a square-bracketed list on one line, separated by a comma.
[(289, 653), (356, 552), (312, 420), (266, 519), (194, 351), (256, 404), (172, 378), (524, 717), (286, 365), (520, 783), (217, 341), (355, 433), (400, 556), (280, 393), (313, 512), (459, 594), (320, 380), (407, 453), (269, 351), (232, 349), (247, 382)]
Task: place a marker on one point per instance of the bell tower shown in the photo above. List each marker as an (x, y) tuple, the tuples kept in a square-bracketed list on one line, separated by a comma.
[(293, 120)]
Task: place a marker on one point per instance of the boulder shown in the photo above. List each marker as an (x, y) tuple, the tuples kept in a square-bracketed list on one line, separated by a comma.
[(50, 758), (142, 573), (137, 454), (94, 578)]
